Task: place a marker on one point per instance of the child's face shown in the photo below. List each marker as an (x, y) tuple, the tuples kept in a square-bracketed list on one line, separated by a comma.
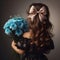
[(33, 11)]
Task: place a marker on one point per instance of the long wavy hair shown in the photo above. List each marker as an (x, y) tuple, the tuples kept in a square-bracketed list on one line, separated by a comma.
[(42, 31)]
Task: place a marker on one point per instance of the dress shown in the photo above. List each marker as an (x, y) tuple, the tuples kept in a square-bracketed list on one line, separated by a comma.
[(31, 51)]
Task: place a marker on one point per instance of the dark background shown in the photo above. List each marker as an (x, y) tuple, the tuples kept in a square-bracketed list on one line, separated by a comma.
[(10, 8)]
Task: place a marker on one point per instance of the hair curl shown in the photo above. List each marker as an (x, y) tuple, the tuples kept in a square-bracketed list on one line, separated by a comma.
[(41, 30)]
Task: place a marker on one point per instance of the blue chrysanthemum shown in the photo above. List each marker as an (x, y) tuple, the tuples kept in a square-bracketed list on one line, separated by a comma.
[(17, 24), (13, 26), (18, 32), (8, 31)]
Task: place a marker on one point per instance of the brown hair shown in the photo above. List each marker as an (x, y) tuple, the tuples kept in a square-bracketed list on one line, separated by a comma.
[(41, 30)]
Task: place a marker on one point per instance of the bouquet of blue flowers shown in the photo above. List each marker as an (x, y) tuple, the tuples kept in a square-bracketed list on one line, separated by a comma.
[(15, 27)]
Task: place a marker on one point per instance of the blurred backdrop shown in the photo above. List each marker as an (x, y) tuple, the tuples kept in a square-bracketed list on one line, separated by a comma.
[(10, 8)]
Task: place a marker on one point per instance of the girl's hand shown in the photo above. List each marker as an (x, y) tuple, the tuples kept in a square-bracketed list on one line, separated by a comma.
[(19, 51)]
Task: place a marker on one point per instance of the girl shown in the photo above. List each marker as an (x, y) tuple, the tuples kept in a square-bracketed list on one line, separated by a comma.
[(38, 40)]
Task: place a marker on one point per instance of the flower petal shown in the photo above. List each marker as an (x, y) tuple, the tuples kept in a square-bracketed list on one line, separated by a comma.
[(18, 32)]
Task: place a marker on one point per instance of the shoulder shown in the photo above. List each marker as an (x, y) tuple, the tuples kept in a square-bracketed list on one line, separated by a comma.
[(27, 35)]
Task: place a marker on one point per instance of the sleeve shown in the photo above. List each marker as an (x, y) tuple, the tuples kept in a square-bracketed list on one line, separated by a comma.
[(23, 44)]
